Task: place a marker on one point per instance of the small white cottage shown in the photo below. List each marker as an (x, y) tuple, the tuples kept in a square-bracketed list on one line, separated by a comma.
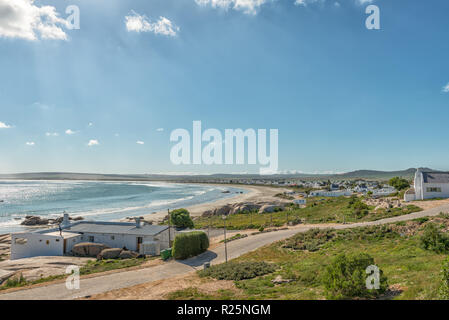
[(56, 242), (428, 185)]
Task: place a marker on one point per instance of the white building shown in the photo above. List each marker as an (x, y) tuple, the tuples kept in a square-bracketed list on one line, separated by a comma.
[(325, 193), (428, 185), (55, 242)]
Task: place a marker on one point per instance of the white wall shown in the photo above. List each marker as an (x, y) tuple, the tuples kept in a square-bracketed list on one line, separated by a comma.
[(429, 195), (37, 245)]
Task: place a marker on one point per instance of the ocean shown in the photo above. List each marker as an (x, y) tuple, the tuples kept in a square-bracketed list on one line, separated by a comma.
[(96, 200)]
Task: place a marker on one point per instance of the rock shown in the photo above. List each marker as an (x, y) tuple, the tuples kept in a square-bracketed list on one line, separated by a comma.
[(112, 253), (128, 255), (225, 210), (270, 208), (34, 221), (78, 218), (88, 249), (279, 280)]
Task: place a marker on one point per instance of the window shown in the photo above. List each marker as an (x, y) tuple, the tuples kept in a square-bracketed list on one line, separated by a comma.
[(433, 189), (20, 241), (91, 238), (57, 240), (112, 237), (47, 242)]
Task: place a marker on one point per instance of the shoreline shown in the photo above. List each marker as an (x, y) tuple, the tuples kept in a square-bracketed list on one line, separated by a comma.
[(254, 193)]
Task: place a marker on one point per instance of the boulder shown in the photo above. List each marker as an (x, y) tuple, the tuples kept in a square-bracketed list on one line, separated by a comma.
[(88, 249), (112, 253), (128, 255), (270, 208), (225, 210), (34, 221)]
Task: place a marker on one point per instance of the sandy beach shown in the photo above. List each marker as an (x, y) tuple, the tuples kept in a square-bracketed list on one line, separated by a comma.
[(254, 193)]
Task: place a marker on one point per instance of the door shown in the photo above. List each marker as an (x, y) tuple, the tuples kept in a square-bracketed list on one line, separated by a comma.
[(139, 242), (65, 246)]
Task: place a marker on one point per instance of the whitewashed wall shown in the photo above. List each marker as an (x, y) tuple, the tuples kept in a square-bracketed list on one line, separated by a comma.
[(36, 245)]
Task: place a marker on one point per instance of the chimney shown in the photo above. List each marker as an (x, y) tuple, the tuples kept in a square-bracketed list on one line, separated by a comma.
[(137, 222), (65, 220)]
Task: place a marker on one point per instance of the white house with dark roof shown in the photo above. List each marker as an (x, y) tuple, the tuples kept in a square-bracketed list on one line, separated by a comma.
[(428, 185), (56, 242)]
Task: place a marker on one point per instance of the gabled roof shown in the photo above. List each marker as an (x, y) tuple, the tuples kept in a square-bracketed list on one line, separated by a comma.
[(435, 177), (116, 228)]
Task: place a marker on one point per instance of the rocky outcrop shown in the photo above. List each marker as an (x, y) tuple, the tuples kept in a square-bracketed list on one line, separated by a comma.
[(117, 253), (125, 254), (34, 221), (88, 249), (112, 253), (245, 207), (38, 221)]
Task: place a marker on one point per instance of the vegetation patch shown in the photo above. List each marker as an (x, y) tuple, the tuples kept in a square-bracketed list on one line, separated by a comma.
[(190, 244), (345, 277), (238, 270), (235, 237), (95, 266), (433, 239), (181, 218)]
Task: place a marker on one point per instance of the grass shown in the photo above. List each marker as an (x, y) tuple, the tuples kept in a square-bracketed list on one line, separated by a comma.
[(415, 272), (318, 210), (91, 267), (234, 237)]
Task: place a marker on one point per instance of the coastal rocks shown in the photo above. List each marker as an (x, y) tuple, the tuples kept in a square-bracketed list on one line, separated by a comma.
[(125, 254), (383, 203), (88, 249), (245, 207), (34, 221), (112, 253), (38, 221), (116, 253)]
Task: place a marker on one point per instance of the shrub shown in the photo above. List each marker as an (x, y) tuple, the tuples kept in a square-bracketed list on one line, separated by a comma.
[(444, 287), (238, 270), (399, 183), (433, 239), (190, 244), (346, 276), (181, 218)]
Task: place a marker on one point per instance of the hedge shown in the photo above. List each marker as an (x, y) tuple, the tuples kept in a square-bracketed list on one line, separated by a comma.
[(190, 244)]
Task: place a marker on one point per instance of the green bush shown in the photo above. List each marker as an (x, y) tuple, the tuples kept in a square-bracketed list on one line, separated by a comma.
[(181, 218), (433, 239), (444, 287), (399, 183), (345, 278), (190, 244), (238, 270)]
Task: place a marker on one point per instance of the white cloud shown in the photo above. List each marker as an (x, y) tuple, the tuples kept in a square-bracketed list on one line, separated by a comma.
[(90, 124), (247, 6), (140, 23), (23, 19), (4, 125), (362, 2), (70, 132), (52, 134), (93, 142), (445, 90), (160, 129), (30, 143), (140, 142)]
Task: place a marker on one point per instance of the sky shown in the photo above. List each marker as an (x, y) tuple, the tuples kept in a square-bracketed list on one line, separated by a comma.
[(104, 98)]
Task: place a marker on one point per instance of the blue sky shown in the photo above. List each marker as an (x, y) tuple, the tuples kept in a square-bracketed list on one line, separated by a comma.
[(343, 97)]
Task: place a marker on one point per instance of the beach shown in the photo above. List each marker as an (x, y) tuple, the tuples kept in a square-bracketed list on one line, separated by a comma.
[(253, 194)]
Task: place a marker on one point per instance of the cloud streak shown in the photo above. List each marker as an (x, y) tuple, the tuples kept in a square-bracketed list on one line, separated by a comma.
[(446, 88), (92, 143), (4, 125), (140, 23), (24, 20)]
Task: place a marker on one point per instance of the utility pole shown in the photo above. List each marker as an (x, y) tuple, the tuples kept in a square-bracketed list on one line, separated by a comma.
[(226, 245), (169, 229)]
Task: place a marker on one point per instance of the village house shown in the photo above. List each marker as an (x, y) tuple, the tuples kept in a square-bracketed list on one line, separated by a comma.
[(428, 185), (55, 242)]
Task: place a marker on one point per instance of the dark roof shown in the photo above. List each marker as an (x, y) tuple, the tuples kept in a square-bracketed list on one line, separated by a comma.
[(116, 228), (435, 177)]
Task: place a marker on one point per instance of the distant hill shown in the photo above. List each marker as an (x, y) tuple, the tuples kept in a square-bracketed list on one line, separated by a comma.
[(358, 174)]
